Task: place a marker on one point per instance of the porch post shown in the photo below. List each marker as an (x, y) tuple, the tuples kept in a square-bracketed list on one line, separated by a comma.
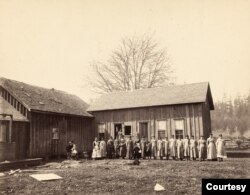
[(10, 128)]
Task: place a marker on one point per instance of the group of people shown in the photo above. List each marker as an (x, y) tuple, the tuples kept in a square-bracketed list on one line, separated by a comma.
[(176, 149), (71, 150)]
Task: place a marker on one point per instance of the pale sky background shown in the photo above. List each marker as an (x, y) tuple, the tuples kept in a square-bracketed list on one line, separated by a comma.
[(50, 43)]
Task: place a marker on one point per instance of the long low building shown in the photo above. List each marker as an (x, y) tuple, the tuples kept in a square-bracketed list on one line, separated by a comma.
[(161, 112), (38, 122)]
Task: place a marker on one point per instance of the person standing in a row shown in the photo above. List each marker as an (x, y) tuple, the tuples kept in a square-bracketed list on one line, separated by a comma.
[(129, 145), (143, 147), (202, 148), (193, 148), (172, 147), (123, 148), (160, 148), (154, 147), (180, 148), (186, 143), (110, 148), (220, 145), (166, 148), (211, 149)]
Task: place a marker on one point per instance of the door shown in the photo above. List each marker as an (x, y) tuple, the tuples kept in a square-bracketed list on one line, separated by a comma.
[(117, 129), (143, 130)]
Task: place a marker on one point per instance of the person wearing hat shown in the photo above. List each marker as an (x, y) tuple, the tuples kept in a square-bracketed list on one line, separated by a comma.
[(211, 149), (220, 145)]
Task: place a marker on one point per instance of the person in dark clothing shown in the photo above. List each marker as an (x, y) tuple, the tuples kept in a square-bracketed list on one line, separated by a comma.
[(136, 152), (69, 149)]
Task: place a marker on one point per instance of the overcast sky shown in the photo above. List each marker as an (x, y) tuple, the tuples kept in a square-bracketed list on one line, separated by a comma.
[(51, 43)]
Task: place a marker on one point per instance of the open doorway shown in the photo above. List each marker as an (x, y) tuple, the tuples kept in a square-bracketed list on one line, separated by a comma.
[(143, 129), (117, 129)]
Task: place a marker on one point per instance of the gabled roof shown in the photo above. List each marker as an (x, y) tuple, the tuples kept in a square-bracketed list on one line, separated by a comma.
[(170, 95), (46, 100), (6, 108)]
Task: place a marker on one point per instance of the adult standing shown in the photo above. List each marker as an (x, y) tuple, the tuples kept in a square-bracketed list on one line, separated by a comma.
[(143, 147), (186, 143), (193, 148), (110, 147), (129, 145), (160, 148), (180, 148), (211, 149), (122, 148), (153, 147), (172, 147), (96, 149), (220, 145), (148, 149), (103, 148), (202, 148), (166, 148), (117, 148)]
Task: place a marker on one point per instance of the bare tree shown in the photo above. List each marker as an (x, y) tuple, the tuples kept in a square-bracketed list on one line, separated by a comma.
[(137, 63)]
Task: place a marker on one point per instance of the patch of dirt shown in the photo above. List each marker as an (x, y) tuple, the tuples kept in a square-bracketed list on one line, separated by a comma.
[(121, 177)]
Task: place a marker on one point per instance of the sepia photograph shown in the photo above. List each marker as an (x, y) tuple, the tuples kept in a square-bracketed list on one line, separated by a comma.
[(124, 97)]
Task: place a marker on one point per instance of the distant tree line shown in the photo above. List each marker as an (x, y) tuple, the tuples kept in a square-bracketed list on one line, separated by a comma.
[(232, 115)]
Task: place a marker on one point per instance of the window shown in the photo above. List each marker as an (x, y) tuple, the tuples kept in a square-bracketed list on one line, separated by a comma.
[(127, 130), (162, 127), (101, 128), (179, 129), (3, 132), (161, 134), (101, 136), (55, 133)]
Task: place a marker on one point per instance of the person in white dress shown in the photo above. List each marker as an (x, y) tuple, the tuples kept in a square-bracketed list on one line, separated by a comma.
[(186, 143), (172, 147), (96, 149), (154, 147), (211, 149), (103, 148), (220, 145), (160, 148), (193, 148)]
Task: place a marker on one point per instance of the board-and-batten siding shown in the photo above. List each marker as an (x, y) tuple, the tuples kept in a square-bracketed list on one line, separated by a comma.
[(193, 115), (78, 129)]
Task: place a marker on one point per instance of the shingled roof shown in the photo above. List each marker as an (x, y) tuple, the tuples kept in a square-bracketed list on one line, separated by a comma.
[(170, 95), (6, 108), (47, 100)]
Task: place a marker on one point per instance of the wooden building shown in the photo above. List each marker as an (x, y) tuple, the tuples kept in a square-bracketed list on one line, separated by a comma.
[(38, 122), (161, 112)]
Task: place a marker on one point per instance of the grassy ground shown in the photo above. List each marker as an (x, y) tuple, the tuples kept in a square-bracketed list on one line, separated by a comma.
[(120, 177)]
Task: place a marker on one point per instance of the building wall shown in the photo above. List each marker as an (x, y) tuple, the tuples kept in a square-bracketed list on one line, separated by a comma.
[(192, 114), (17, 147), (42, 144)]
